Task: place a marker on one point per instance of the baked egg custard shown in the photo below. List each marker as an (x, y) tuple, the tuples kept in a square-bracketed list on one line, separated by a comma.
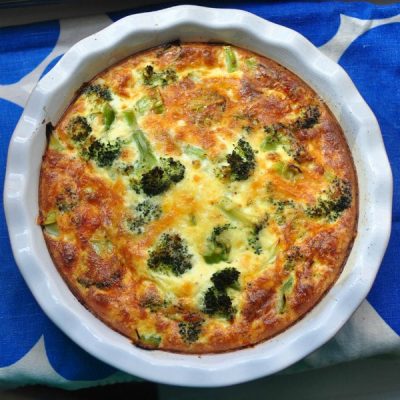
[(198, 197)]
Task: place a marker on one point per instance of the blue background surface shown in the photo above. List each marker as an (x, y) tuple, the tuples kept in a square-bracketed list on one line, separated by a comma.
[(372, 61)]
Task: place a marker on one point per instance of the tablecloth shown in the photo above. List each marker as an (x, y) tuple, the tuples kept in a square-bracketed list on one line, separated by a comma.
[(363, 38)]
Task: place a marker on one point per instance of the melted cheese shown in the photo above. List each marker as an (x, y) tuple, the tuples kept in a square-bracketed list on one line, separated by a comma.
[(286, 251)]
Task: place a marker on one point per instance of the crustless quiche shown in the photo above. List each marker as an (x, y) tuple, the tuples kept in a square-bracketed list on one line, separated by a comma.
[(198, 198)]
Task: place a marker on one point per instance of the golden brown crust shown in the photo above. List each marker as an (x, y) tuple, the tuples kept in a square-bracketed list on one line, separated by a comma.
[(303, 189)]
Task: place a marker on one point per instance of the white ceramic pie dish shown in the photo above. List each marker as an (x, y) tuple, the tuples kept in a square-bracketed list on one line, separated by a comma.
[(189, 23)]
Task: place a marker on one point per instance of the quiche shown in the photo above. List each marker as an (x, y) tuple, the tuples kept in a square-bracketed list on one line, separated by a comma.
[(198, 198)]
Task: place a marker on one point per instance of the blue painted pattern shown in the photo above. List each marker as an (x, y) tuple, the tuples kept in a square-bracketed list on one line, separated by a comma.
[(22, 48), (22, 320), (372, 61)]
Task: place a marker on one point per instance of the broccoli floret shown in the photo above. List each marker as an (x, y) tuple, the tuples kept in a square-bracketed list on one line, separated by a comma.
[(218, 303), (162, 78), (283, 135), (161, 178), (219, 245), (273, 137), (310, 117), (146, 212), (103, 153), (254, 236), (155, 176), (216, 299), (100, 91), (335, 200), (170, 255), (225, 278), (190, 331), (79, 129), (241, 161), (173, 168), (155, 181)]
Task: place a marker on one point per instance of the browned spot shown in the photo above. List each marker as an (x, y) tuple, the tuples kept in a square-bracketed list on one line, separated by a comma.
[(324, 245), (301, 297), (102, 272), (196, 56), (248, 91), (68, 253), (258, 303)]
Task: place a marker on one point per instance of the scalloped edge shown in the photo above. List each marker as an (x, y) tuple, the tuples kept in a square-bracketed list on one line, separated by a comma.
[(137, 32)]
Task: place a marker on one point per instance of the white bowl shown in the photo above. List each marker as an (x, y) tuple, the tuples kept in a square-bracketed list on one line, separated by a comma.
[(189, 23)]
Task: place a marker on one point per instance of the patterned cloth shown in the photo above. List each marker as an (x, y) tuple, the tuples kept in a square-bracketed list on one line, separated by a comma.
[(362, 37)]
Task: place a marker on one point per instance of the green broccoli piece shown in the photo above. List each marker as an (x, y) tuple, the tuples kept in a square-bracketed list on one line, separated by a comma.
[(108, 116), (230, 59), (336, 199), (100, 91), (162, 78), (251, 62), (100, 98), (190, 331), (170, 255), (155, 181), (218, 303), (79, 129), (309, 118), (273, 137), (161, 178), (52, 229), (150, 103), (147, 159), (254, 236), (285, 289), (226, 278), (173, 168), (283, 135), (241, 161), (216, 300), (151, 339), (289, 171), (219, 245), (156, 176), (54, 143), (103, 153), (146, 212)]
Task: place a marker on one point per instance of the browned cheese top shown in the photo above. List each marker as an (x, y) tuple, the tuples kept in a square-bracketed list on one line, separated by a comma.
[(198, 198)]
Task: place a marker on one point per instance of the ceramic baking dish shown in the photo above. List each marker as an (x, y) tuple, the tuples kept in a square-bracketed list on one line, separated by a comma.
[(189, 23)]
